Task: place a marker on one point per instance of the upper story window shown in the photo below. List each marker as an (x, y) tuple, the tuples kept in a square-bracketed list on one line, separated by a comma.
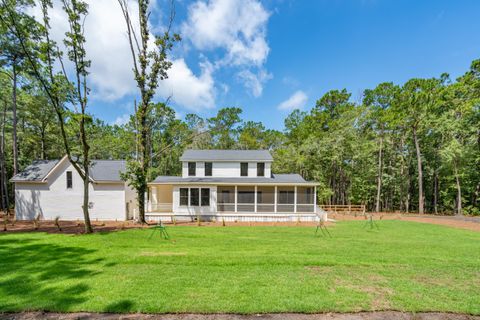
[(192, 168), (260, 169), (69, 180), (208, 169), (244, 169)]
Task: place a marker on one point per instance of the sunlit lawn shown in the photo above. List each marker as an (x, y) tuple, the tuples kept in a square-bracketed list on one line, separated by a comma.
[(403, 266)]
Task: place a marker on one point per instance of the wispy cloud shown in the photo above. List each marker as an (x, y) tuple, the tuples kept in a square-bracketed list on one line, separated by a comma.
[(296, 101)]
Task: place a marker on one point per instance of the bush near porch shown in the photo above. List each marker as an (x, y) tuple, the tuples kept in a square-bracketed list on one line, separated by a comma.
[(404, 266)]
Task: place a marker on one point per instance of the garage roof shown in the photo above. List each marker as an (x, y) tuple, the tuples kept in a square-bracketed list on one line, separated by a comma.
[(100, 170)]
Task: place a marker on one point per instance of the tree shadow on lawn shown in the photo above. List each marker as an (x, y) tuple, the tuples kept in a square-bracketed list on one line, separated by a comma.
[(38, 275)]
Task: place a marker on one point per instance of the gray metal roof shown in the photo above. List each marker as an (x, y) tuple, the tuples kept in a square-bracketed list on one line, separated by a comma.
[(226, 155), (275, 179), (107, 170), (36, 171), (100, 170)]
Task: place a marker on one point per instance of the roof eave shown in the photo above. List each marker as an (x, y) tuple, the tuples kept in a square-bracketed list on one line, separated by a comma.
[(27, 181), (307, 183), (226, 160)]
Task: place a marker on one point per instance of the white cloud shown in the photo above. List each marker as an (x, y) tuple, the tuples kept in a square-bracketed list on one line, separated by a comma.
[(239, 28), (255, 82), (121, 120), (111, 75), (188, 90), (296, 101)]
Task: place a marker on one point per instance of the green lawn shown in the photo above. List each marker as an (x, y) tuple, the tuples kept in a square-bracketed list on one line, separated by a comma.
[(404, 266)]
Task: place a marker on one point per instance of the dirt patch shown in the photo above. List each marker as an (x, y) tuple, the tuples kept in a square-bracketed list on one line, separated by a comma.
[(391, 315), (77, 227), (67, 227), (375, 288), (468, 223)]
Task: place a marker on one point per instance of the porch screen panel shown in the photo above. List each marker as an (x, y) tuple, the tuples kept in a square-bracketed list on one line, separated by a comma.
[(305, 199), (265, 199), (225, 198), (285, 199), (246, 199)]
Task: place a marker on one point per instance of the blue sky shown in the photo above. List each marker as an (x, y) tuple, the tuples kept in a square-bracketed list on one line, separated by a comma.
[(272, 56)]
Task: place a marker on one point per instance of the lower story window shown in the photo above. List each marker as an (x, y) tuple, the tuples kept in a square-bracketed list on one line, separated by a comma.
[(184, 196), (194, 196), (205, 200)]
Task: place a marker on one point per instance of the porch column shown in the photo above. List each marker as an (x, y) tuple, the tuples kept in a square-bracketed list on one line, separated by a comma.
[(153, 199), (236, 191), (255, 200), (315, 199), (295, 200), (275, 199)]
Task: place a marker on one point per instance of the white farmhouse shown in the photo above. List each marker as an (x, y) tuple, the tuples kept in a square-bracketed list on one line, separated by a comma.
[(53, 188), (231, 185)]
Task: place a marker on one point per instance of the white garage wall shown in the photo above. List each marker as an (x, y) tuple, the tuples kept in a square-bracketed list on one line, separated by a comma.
[(53, 199)]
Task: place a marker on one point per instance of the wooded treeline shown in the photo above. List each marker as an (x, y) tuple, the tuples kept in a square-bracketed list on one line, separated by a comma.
[(411, 147)]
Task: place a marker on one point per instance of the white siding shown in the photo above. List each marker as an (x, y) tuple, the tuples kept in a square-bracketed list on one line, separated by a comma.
[(131, 199), (53, 199), (268, 169), (226, 169)]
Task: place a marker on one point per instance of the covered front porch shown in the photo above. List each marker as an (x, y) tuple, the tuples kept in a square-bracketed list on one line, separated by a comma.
[(239, 202), (266, 199)]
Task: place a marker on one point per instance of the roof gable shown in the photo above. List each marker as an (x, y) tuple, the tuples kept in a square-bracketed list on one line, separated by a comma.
[(100, 170), (226, 155), (37, 171)]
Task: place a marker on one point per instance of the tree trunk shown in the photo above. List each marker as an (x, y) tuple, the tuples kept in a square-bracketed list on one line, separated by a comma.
[(459, 191), (421, 198), (3, 173), (86, 170), (379, 174), (86, 200), (144, 161), (42, 144), (435, 191), (14, 119)]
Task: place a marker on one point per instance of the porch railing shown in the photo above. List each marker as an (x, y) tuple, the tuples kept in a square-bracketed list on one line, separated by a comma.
[(161, 207), (266, 207)]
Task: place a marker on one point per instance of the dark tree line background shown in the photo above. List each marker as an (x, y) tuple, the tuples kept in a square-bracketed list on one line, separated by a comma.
[(412, 147)]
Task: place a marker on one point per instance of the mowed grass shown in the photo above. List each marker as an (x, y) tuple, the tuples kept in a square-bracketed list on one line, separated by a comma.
[(403, 266)]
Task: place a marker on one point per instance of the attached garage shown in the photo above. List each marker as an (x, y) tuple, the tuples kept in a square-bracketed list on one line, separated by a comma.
[(53, 188)]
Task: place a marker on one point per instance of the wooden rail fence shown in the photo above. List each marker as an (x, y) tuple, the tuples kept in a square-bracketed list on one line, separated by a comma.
[(354, 209)]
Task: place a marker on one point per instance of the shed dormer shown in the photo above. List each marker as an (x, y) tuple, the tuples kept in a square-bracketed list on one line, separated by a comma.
[(226, 163)]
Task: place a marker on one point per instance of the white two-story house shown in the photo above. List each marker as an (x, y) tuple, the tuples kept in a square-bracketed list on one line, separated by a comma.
[(231, 185)]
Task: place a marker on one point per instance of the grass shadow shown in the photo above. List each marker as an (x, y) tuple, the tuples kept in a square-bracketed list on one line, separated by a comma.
[(122, 306), (43, 276)]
